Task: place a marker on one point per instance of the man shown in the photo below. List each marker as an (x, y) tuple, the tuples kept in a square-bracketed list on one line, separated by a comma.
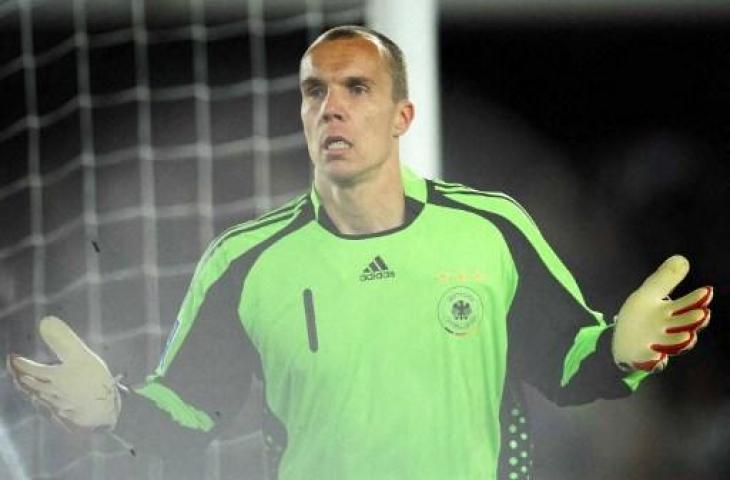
[(392, 319)]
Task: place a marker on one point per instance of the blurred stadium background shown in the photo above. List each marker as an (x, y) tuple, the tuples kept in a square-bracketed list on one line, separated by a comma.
[(131, 132)]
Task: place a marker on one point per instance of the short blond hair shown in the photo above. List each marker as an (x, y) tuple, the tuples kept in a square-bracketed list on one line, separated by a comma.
[(391, 51)]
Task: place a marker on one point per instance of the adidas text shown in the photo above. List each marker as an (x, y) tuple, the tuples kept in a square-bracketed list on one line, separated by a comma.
[(377, 275)]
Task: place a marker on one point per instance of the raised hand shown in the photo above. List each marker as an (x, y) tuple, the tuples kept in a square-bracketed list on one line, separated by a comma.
[(650, 326), (79, 391)]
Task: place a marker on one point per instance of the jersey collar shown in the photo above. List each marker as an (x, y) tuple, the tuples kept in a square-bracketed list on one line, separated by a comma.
[(416, 193)]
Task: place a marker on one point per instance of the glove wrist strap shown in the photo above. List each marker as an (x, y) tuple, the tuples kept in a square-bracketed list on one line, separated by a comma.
[(621, 365)]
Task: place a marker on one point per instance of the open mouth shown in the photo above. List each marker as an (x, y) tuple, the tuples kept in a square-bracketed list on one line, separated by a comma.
[(336, 143)]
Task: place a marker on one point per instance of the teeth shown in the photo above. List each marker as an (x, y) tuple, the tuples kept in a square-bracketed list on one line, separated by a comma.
[(338, 144)]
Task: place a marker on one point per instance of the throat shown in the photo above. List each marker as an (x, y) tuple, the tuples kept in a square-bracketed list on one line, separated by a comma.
[(360, 212), (366, 220), (372, 204)]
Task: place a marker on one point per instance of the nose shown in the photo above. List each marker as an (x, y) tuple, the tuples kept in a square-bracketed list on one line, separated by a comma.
[(333, 108)]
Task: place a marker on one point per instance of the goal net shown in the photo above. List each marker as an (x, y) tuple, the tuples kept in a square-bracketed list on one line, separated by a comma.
[(132, 132)]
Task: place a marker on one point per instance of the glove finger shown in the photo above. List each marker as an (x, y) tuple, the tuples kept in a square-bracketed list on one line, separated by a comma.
[(675, 343), (696, 299), (691, 345), (37, 386), (43, 398), (21, 388), (655, 365), (691, 320), (45, 391), (18, 365), (43, 404), (58, 403), (667, 276), (38, 389), (706, 322), (661, 364), (12, 371), (61, 339)]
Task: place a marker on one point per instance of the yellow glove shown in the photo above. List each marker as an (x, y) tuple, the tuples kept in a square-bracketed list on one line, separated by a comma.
[(650, 326), (79, 392)]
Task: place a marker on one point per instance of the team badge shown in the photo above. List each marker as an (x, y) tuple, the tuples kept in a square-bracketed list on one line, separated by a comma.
[(460, 310)]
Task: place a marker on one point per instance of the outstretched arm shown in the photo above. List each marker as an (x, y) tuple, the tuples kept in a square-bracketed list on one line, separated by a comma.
[(173, 417), (197, 390)]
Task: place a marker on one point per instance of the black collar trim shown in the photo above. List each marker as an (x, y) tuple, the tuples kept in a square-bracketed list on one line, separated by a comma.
[(413, 209)]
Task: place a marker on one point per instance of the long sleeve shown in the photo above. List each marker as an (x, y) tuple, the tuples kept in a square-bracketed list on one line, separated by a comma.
[(205, 374), (203, 378), (555, 341)]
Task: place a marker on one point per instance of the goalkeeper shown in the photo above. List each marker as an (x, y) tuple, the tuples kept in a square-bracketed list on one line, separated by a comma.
[(392, 319)]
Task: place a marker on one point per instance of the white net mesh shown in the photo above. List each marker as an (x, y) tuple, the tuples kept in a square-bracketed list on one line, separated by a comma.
[(131, 132)]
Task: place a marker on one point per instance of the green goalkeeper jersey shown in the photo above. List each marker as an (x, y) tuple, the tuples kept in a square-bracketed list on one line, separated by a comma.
[(395, 355)]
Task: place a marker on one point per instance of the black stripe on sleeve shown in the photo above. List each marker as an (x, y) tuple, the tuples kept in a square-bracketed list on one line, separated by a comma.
[(542, 324), (212, 371)]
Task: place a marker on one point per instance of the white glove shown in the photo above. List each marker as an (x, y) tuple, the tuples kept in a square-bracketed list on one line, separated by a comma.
[(79, 392), (650, 326)]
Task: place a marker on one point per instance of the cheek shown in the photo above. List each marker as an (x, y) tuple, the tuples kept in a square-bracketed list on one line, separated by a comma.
[(303, 113), (380, 124), (376, 120), (307, 113)]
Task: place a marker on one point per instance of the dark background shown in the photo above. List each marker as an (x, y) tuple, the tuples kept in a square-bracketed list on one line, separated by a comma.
[(614, 135)]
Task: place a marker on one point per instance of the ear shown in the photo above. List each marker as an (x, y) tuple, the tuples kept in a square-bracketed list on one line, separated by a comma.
[(403, 118)]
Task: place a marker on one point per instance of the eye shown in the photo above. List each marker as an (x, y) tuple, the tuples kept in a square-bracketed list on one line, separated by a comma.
[(358, 89), (315, 91)]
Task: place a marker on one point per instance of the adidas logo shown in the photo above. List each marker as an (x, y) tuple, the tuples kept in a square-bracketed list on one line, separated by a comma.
[(376, 270)]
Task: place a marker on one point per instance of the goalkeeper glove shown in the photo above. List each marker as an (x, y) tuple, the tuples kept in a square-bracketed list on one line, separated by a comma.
[(79, 392), (650, 326)]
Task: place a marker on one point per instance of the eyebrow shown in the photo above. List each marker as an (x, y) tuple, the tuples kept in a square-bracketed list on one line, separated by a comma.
[(359, 80), (310, 82), (353, 80)]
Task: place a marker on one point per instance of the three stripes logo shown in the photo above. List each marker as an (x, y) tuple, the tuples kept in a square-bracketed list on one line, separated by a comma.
[(376, 270)]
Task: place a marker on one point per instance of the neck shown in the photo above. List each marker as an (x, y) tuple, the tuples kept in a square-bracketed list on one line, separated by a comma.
[(371, 205)]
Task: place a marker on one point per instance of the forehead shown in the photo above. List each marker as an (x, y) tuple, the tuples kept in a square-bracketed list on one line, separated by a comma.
[(349, 56)]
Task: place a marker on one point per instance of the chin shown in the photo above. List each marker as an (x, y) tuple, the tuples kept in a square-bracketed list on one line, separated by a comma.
[(342, 172)]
